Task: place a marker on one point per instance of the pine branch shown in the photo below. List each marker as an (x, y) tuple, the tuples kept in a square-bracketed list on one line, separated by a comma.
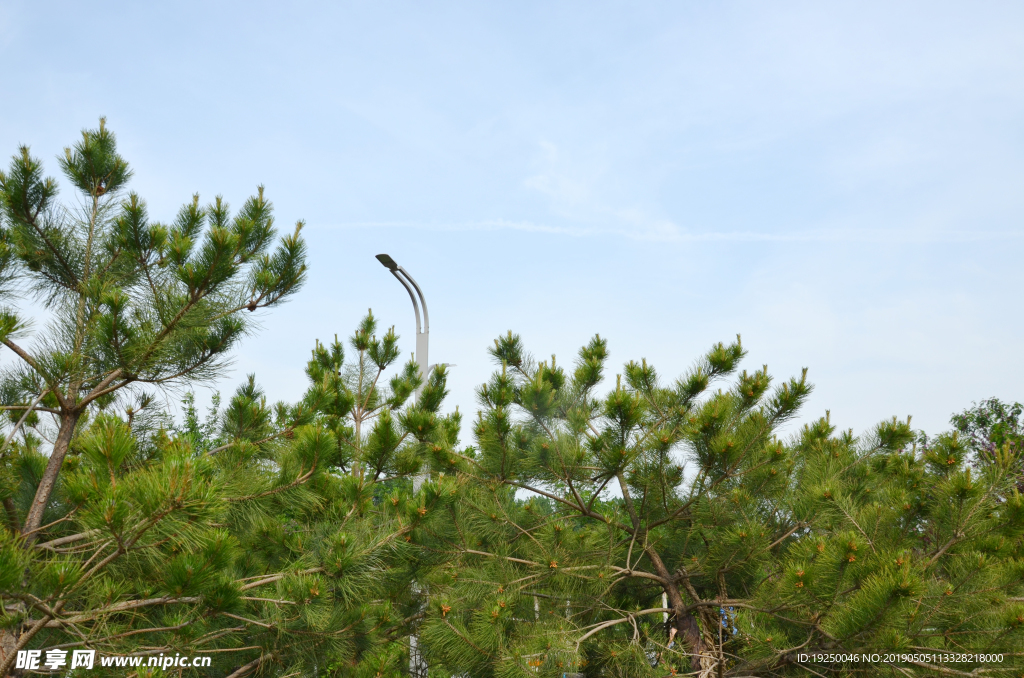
[(273, 436), (21, 353), (251, 666), (101, 388), (785, 536), (28, 410), (298, 481), (630, 617), (50, 545), (277, 577), (118, 636), (89, 615), (248, 621), (26, 636)]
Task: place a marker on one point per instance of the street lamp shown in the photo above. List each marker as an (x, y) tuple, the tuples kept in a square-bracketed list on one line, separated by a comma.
[(417, 664), (422, 332)]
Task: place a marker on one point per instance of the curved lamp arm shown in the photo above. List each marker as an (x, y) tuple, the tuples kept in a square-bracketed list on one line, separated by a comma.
[(422, 331)]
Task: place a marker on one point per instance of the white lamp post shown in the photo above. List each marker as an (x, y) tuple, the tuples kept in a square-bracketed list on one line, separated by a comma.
[(417, 665), (422, 331)]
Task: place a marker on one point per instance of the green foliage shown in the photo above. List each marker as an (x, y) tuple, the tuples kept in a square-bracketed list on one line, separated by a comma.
[(281, 539), (654, 529), (991, 424), (989, 431), (134, 304), (586, 520), (203, 434)]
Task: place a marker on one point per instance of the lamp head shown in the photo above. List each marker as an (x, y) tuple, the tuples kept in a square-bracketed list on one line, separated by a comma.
[(388, 262)]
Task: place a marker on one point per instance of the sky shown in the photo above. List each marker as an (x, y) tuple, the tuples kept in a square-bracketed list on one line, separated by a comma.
[(839, 183)]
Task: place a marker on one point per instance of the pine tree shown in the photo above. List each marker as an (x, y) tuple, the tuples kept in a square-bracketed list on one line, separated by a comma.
[(280, 541), (134, 304), (664, 529)]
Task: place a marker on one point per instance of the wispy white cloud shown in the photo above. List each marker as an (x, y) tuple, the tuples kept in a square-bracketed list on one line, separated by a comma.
[(668, 232)]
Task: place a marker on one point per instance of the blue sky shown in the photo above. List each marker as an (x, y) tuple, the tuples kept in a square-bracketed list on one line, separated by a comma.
[(840, 183)]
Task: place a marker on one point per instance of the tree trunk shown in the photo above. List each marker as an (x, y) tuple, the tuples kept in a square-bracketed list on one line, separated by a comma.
[(689, 633), (688, 629), (34, 519), (686, 625)]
